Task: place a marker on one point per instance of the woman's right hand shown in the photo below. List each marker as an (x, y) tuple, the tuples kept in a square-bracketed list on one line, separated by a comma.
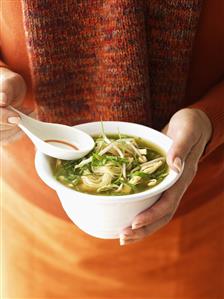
[(12, 92)]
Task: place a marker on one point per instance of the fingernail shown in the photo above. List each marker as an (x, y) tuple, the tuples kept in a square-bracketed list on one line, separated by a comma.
[(137, 225), (125, 236), (13, 120), (177, 163), (129, 241), (122, 242), (3, 98)]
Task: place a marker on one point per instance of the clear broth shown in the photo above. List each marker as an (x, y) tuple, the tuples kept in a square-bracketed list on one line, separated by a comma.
[(153, 152)]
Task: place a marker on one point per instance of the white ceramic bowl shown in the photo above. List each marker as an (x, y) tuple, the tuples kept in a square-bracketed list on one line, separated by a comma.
[(106, 216)]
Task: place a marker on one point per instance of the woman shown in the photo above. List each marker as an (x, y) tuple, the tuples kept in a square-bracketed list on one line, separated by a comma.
[(157, 63)]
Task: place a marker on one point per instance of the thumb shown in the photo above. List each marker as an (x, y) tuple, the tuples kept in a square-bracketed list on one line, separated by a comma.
[(181, 147)]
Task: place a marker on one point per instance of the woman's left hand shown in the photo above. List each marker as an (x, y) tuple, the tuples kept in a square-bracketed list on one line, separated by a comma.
[(190, 130)]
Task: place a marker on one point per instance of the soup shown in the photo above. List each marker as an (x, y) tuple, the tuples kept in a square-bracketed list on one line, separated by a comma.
[(118, 165)]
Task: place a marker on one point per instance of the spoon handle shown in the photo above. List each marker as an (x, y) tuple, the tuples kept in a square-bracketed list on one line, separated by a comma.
[(26, 119), (22, 115)]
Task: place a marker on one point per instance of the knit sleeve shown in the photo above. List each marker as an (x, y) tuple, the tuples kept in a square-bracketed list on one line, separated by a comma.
[(213, 105)]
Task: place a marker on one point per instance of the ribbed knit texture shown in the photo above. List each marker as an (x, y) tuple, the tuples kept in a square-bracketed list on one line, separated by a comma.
[(111, 60)]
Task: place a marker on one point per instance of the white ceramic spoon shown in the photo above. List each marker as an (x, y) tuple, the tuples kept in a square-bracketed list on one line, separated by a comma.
[(55, 140)]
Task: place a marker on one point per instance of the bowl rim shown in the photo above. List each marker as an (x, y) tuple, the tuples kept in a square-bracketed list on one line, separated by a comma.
[(48, 178)]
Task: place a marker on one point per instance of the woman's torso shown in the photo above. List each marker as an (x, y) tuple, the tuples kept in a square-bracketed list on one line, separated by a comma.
[(39, 229)]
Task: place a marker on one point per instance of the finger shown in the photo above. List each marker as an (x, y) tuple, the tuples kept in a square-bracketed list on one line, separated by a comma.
[(12, 91), (19, 91), (6, 93), (3, 99), (183, 142), (169, 201), (8, 119), (164, 206), (131, 236)]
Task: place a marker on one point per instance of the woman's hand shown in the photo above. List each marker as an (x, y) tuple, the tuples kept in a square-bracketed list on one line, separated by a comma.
[(12, 92), (190, 130)]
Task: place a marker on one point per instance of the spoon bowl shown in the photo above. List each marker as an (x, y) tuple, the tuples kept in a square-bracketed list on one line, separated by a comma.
[(56, 140)]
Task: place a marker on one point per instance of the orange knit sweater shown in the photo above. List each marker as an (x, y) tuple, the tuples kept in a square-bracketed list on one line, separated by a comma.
[(105, 69), (48, 257)]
